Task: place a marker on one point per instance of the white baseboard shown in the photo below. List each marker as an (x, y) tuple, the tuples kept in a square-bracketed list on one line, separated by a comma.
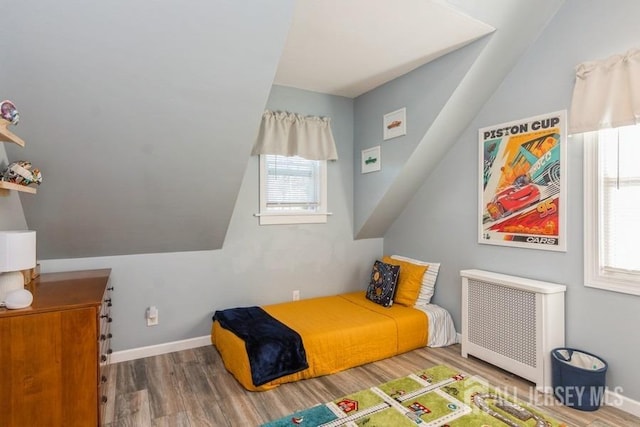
[(611, 398), (154, 350)]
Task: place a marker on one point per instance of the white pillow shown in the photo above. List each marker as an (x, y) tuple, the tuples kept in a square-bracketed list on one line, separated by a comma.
[(428, 280)]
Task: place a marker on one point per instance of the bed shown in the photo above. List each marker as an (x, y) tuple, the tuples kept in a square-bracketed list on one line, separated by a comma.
[(343, 331)]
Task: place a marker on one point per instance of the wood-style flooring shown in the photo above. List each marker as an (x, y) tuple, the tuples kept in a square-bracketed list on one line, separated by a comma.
[(192, 388)]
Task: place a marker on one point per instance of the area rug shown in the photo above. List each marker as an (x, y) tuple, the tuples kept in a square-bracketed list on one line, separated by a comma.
[(438, 396)]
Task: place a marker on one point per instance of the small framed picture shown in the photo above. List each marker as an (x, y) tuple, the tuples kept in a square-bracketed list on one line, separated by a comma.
[(395, 124), (371, 159)]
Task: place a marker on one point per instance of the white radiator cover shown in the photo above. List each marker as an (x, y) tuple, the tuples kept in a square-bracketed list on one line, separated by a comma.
[(513, 323)]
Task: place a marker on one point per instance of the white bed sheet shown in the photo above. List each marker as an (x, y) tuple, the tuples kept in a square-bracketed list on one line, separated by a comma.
[(442, 331)]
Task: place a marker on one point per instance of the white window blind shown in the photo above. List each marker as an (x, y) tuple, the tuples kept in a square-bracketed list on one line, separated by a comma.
[(612, 209), (293, 190), (619, 154), (292, 183)]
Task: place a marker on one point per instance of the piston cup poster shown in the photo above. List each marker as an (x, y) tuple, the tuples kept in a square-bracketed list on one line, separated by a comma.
[(523, 183)]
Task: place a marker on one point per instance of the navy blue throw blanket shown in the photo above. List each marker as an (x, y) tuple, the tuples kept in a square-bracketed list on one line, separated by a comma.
[(274, 349)]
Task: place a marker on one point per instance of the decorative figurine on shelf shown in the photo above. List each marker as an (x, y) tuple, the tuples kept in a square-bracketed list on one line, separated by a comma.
[(20, 173), (9, 112)]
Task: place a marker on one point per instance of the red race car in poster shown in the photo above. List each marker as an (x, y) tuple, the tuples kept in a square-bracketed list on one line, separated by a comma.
[(513, 198)]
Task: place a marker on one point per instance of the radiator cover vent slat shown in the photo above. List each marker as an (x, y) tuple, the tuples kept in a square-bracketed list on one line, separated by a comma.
[(501, 320)]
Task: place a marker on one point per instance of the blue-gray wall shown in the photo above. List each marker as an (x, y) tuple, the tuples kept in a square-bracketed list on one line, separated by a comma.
[(444, 97), (424, 91), (257, 264), (440, 224)]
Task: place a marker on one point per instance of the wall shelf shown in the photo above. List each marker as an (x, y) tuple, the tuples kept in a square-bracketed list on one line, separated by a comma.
[(7, 135), (4, 186)]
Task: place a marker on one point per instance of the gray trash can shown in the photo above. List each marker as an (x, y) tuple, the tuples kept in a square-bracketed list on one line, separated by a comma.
[(578, 378)]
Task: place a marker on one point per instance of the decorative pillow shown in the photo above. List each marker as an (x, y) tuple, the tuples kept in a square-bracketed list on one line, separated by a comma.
[(382, 287), (428, 280), (409, 281)]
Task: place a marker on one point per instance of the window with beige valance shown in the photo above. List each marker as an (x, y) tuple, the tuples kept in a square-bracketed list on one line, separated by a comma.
[(606, 109), (293, 151)]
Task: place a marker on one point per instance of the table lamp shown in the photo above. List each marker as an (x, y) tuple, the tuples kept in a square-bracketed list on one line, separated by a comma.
[(17, 253)]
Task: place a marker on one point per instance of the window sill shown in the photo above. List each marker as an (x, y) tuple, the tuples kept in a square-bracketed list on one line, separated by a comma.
[(288, 218), (621, 287)]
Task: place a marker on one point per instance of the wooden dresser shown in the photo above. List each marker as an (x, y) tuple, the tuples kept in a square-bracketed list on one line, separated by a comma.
[(54, 354)]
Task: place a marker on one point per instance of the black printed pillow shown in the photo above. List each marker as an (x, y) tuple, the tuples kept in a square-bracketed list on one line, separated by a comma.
[(382, 287)]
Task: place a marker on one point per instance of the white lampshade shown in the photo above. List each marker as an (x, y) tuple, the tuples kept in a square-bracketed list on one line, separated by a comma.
[(17, 252)]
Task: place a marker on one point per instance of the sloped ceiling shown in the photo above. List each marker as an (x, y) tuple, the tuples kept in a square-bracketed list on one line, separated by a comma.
[(348, 47), (140, 115)]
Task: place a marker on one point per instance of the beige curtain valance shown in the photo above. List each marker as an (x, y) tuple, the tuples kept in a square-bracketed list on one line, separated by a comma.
[(606, 93), (290, 134)]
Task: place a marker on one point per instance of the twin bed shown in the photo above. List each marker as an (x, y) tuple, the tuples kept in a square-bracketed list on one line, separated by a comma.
[(334, 332)]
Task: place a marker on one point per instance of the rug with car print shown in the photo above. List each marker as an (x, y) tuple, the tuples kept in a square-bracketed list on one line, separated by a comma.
[(438, 396)]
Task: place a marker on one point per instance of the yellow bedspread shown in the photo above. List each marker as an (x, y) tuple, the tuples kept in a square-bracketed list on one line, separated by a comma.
[(338, 332)]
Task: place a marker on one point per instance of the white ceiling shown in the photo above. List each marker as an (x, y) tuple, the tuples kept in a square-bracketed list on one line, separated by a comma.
[(348, 47)]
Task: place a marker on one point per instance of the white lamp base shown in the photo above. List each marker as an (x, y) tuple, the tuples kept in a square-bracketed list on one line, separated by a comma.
[(21, 298), (9, 282)]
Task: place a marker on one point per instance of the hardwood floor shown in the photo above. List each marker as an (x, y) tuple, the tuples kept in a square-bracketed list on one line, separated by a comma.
[(192, 388)]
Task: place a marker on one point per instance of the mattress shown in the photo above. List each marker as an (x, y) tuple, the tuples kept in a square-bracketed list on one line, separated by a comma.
[(442, 331), (338, 332)]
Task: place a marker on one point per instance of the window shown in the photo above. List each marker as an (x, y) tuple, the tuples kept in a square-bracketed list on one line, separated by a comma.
[(612, 209), (293, 190)]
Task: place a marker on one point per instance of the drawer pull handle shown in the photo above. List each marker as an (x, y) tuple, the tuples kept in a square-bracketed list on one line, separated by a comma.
[(103, 379), (104, 399), (110, 288), (106, 316), (103, 358), (103, 337), (109, 351), (109, 336)]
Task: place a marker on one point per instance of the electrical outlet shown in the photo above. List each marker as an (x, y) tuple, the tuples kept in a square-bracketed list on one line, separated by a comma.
[(152, 316), (296, 295)]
